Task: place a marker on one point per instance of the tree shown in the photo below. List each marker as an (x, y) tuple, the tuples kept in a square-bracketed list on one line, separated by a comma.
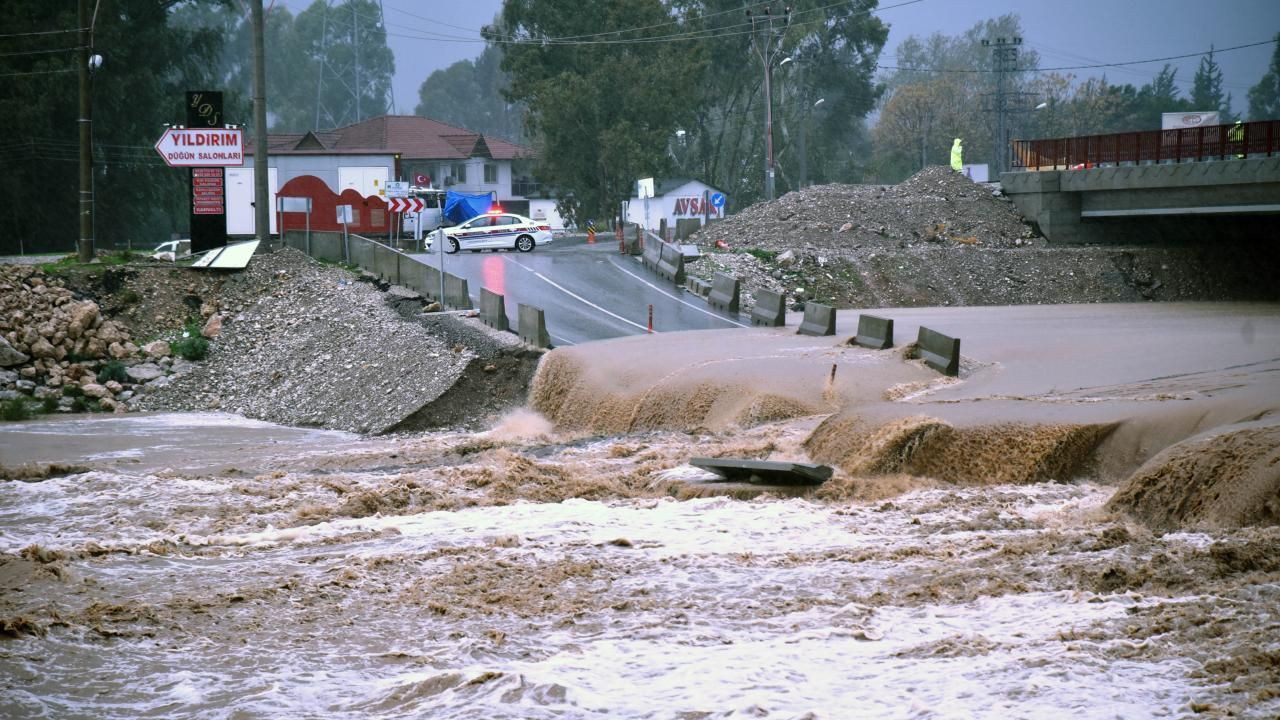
[(340, 67), (951, 73), (137, 199), (311, 61), (469, 94), (601, 112), (1264, 98), (833, 49), (1206, 88)]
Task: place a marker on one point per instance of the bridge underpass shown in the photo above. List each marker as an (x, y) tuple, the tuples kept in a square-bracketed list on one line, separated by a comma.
[(1162, 186)]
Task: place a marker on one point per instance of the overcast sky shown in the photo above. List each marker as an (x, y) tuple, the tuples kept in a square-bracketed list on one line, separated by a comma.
[(428, 35)]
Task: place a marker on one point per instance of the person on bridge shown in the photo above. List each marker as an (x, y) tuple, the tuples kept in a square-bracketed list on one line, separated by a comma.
[(957, 152), (1235, 136)]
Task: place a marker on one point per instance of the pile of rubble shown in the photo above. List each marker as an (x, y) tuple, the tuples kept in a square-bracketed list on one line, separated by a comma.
[(63, 351), (935, 206)]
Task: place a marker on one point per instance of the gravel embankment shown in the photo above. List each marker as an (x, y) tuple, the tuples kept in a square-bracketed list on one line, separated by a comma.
[(312, 347)]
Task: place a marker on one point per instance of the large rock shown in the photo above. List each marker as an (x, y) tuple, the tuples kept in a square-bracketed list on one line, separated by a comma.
[(213, 326), (145, 372), (9, 356), (156, 349), (110, 333), (94, 390), (43, 349), (83, 316)]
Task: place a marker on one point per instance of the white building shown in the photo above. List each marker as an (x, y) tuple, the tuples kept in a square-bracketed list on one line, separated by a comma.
[(677, 199), (367, 154)]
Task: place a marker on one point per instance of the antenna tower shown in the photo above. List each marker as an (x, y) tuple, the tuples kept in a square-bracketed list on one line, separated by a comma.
[(349, 105)]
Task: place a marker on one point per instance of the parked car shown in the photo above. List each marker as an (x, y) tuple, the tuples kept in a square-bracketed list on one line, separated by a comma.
[(494, 230), (172, 250)]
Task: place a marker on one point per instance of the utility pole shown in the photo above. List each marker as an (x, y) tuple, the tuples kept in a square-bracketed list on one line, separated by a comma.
[(768, 45), (1004, 59), (355, 50), (261, 199), (84, 248)]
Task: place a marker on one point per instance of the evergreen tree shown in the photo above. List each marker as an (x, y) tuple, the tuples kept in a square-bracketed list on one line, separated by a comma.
[(1264, 98), (469, 94), (1206, 88)]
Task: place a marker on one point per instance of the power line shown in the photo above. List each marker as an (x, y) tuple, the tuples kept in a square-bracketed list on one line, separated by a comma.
[(41, 32), (743, 28), (1080, 67), (38, 72), (41, 52)]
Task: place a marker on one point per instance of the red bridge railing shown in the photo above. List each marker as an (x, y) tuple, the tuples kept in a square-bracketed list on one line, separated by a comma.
[(1214, 142)]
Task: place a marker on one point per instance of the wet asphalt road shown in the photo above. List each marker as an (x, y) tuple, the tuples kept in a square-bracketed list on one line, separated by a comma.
[(588, 291)]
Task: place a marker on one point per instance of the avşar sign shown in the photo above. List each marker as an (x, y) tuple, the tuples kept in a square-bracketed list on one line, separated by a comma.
[(202, 147)]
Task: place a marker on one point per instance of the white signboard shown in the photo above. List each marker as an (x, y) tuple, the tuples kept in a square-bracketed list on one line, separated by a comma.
[(397, 189), (1175, 121), (294, 204), (202, 147), (644, 188), (344, 214)]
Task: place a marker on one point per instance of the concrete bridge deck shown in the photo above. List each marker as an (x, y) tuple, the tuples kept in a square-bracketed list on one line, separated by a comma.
[(1190, 201)]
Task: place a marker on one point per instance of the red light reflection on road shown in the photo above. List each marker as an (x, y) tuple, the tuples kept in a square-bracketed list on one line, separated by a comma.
[(494, 274)]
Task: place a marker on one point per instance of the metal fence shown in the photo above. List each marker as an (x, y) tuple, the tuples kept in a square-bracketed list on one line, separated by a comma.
[(1214, 142)]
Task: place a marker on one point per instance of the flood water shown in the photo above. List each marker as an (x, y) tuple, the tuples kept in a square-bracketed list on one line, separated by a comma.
[(207, 566)]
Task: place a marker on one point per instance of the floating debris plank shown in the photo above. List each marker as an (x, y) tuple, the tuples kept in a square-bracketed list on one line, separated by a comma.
[(230, 257), (765, 472)]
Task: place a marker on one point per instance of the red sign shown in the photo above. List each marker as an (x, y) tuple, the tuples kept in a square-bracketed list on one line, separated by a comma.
[(402, 205), (695, 206), (207, 191)]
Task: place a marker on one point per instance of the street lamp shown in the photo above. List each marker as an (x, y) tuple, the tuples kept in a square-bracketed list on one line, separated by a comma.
[(767, 50), (804, 131)]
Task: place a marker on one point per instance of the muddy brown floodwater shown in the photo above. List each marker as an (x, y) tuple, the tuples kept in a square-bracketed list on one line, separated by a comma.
[(974, 556)]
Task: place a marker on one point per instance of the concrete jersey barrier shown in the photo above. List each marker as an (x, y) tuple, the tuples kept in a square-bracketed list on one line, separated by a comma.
[(770, 309), (493, 310), (456, 294), (874, 332), (532, 324), (671, 263), (652, 254), (940, 352), (724, 292), (818, 320)]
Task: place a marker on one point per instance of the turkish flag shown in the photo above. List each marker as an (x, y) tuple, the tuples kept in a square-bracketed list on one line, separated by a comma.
[(421, 179)]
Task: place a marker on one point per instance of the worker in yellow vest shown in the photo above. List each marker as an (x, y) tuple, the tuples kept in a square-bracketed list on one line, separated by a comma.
[(957, 162), (1235, 136)]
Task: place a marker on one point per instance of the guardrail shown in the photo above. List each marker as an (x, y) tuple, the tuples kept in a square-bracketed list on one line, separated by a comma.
[(1214, 142)]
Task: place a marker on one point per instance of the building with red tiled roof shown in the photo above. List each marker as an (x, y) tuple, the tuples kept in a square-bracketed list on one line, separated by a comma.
[(422, 151)]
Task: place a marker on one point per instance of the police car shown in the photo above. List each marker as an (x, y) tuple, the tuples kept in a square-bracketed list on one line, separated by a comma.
[(495, 230)]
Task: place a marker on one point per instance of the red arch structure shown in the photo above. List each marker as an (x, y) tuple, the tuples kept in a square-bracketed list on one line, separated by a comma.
[(369, 215)]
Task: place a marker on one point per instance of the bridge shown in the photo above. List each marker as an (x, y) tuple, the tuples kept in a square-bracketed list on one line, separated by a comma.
[(1220, 182)]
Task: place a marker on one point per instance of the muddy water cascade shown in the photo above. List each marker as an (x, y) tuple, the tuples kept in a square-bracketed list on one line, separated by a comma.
[(225, 568)]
